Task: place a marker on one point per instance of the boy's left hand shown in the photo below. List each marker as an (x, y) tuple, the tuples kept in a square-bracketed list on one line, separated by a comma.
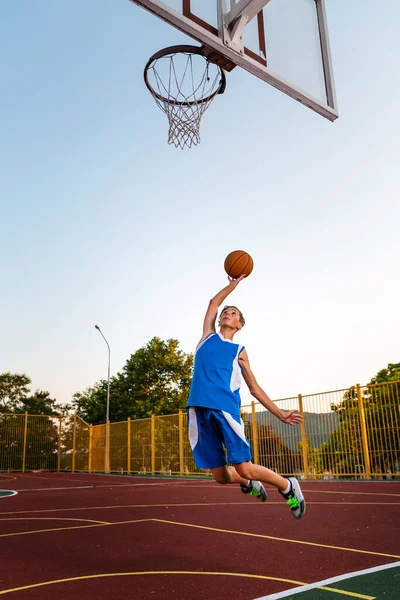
[(234, 282), (292, 417)]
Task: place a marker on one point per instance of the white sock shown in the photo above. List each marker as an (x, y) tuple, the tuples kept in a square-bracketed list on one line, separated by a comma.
[(287, 489)]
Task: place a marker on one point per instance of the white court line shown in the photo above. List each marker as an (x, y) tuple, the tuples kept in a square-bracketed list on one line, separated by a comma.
[(86, 487), (81, 487), (139, 484), (326, 582)]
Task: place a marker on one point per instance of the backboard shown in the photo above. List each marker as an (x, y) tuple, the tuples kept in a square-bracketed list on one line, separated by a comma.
[(283, 42)]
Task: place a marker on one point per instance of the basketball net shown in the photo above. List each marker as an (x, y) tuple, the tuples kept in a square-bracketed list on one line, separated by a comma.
[(183, 82)]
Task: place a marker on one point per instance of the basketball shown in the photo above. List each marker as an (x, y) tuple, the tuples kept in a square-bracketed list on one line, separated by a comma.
[(238, 263)]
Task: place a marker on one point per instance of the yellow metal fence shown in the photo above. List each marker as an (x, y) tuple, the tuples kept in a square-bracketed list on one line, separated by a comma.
[(348, 433)]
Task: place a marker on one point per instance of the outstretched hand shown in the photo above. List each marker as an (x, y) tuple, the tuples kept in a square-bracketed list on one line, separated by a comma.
[(292, 417), (234, 282)]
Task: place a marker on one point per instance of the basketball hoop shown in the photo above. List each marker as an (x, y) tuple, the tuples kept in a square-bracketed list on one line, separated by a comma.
[(183, 81)]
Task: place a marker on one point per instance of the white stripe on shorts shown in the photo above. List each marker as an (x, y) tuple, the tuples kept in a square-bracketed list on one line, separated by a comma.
[(193, 429), (238, 428)]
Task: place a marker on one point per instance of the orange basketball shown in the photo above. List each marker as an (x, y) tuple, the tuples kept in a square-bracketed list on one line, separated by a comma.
[(238, 263)]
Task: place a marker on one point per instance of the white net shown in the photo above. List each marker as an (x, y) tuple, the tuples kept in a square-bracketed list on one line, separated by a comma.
[(183, 84)]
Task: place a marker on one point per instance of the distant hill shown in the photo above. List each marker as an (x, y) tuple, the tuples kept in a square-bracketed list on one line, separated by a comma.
[(318, 428)]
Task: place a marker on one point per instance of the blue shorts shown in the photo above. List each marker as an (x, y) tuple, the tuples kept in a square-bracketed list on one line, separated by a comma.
[(211, 432)]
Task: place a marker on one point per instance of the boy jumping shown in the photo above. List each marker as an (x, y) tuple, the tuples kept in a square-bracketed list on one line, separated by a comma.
[(214, 408)]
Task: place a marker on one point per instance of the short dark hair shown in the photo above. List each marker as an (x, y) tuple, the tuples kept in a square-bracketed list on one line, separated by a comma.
[(241, 317)]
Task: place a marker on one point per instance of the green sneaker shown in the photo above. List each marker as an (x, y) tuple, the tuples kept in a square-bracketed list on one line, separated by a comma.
[(294, 498), (255, 488)]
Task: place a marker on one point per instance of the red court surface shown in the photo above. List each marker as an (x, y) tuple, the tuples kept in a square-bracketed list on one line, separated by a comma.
[(118, 537)]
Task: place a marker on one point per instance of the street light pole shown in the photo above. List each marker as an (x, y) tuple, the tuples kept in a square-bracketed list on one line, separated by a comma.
[(106, 463)]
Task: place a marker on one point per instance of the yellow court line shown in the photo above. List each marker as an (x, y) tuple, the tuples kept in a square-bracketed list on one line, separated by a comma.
[(71, 528), (258, 535), (270, 537), (228, 488), (207, 573), (50, 476), (55, 519), (114, 506), (183, 504), (350, 493), (338, 503), (116, 479), (346, 593)]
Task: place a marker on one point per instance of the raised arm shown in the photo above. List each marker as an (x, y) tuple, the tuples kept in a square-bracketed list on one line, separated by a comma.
[(290, 417), (215, 303)]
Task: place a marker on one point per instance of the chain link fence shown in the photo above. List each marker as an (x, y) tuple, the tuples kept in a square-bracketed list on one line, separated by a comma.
[(348, 433)]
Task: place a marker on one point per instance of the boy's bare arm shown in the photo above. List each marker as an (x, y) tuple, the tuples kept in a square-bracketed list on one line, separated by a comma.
[(290, 417), (212, 311)]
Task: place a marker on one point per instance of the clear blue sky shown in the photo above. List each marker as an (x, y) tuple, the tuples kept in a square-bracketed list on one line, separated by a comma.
[(103, 222)]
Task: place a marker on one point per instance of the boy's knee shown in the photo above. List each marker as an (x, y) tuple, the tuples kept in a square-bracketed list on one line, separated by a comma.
[(222, 475), (244, 470), (222, 479)]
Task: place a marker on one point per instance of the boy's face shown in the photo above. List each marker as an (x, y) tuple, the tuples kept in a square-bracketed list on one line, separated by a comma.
[(230, 317)]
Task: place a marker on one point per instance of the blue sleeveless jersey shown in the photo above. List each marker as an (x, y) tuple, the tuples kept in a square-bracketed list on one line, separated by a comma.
[(217, 375)]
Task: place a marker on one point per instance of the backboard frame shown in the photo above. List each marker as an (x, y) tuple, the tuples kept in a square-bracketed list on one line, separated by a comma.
[(212, 38)]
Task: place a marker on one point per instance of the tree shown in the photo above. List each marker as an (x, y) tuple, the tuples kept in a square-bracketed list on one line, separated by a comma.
[(91, 403), (39, 403), (13, 389), (343, 451), (37, 434), (391, 373), (382, 399), (15, 397), (154, 381)]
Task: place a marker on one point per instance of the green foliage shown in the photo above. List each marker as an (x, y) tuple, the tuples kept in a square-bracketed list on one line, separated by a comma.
[(39, 403), (15, 397), (40, 443), (344, 452), (13, 389), (382, 401), (154, 381), (391, 373), (41, 433), (91, 403)]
